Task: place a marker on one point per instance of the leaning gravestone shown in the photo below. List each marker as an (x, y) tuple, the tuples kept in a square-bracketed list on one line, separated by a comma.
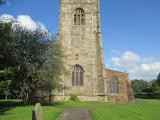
[(37, 112)]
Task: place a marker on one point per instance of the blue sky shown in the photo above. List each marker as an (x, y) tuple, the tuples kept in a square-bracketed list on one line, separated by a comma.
[(130, 28)]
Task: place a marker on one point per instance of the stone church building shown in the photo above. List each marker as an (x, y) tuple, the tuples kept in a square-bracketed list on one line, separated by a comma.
[(81, 39)]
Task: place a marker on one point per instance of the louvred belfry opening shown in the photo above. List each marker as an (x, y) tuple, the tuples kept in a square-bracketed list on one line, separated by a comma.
[(79, 17)]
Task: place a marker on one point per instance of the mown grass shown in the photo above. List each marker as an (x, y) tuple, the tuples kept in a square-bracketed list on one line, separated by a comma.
[(72, 104), (145, 110), (142, 110), (25, 113), (14, 110)]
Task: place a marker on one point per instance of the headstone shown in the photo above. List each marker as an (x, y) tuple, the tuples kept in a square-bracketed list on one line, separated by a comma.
[(37, 112)]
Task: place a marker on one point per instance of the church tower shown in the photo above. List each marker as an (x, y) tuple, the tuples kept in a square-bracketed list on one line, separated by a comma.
[(80, 36)]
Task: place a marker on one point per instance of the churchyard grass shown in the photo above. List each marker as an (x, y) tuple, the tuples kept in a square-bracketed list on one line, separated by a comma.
[(141, 110), (14, 110)]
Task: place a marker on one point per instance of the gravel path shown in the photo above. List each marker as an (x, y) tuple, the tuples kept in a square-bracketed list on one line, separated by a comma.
[(76, 114)]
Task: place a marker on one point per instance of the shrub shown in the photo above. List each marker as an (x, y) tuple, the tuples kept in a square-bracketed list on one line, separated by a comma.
[(74, 98), (152, 95)]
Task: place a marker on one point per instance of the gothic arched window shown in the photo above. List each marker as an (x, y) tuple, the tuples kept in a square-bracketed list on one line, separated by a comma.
[(79, 16), (77, 76), (114, 85)]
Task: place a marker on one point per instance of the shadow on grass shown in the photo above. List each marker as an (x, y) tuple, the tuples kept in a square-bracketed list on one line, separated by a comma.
[(4, 111), (8, 105)]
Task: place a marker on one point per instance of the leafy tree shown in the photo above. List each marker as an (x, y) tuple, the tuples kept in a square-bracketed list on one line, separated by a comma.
[(155, 87), (29, 47), (36, 63), (158, 79), (156, 84), (144, 86), (20, 49), (5, 88), (139, 85), (7, 58), (52, 69), (5, 83), (2, 2), (7, 53)]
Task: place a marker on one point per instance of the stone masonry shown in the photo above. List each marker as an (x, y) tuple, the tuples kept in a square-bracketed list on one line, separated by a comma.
[(82, 45)]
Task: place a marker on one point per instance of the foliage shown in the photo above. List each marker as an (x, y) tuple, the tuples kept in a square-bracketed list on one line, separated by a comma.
[(52, 69), (74, 98), (5, 83), (5, 87), (2, 2), (7, 56), (155, 85), (139, 85), (142, 86), (29, 47), (148, 95), (36, 63), (158, 79)]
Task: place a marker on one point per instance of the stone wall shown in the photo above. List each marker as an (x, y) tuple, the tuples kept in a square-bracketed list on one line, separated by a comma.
[(82, 41), (82, 45)]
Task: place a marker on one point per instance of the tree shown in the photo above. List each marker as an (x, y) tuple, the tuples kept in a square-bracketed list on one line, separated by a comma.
[(158, 79), (7, 48), (2, 2), (20, 49), (36, 63), (5, 82), (156, 84), (7, 60), (53, 68), (139, 85), (155, 87), (30, 45)]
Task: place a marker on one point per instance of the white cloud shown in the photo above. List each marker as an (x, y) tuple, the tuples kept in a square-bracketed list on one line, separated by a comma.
[(145, 71), (137, 66), (117, 61), (129, 59), (23, 20), (6, 18), (27, 22), (131, 56), (42, 26)]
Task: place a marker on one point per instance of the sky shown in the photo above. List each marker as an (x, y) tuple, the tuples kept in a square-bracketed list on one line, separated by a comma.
[(130, 29)]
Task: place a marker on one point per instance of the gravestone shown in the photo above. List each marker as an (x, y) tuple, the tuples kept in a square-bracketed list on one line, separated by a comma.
[(37, 112)]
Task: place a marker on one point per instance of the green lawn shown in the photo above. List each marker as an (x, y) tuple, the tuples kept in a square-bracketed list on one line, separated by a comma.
[(142, 110), (25, 113), (16, 111)]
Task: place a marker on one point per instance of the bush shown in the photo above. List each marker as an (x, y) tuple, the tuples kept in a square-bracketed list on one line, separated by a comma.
[(74, 98), (147, 95)]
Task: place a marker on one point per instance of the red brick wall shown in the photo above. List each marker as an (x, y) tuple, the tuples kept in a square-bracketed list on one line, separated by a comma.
[(125, 90)]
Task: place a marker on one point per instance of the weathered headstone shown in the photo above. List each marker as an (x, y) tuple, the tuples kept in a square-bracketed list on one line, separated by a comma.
[(37, 112)]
